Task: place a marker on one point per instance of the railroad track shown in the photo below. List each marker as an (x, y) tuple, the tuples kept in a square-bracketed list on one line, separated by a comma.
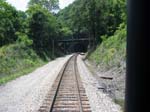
[(67, 93)]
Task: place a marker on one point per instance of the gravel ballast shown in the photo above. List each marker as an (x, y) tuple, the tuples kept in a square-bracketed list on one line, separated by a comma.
[(99, 101), (26, 94)]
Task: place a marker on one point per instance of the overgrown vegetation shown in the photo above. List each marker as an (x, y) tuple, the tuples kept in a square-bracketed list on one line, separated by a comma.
[(16, 60), (92, 18), (26, 38), (110, 55), (112, 51)]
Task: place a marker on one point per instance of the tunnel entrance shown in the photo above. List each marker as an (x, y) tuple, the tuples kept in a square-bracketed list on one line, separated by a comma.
[(74, 45), (79, 47)]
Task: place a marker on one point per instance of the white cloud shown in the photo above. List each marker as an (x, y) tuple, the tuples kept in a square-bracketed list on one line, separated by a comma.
[(22, 4)]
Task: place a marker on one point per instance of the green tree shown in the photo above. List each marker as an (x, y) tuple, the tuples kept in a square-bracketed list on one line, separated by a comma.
[(10, 22), (93, 18), (42, 28)]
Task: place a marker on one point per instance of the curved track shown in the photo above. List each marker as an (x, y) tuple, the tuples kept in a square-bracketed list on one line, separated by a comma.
[(67, 93)]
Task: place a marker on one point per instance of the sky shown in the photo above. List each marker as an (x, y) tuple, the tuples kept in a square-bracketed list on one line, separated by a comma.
[(22, 4)]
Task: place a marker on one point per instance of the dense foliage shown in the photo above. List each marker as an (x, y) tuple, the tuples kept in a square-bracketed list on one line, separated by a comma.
[(10, 23), (43, 28), (25, 38), (112, 52), (82, 19), (31, 34), (17, 59), (37, 24), (93, 18)]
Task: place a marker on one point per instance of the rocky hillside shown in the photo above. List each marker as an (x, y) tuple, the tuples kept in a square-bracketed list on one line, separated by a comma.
[(109, 60)]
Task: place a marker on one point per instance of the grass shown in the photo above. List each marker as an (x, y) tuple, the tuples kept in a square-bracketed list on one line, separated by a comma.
[(16, 60), (18, 74), (120, 102), (112, 51)]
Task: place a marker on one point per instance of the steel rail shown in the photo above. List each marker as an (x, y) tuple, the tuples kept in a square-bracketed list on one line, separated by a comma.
[(57, 89), (77, 83), (67, 93)]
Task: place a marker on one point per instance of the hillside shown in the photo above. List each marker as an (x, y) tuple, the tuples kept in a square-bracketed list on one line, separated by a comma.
[(26, 38), (16, 60), (108, 63), (112, 51)]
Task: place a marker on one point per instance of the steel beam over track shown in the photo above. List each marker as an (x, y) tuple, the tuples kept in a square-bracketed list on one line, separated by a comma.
[(75, 40)]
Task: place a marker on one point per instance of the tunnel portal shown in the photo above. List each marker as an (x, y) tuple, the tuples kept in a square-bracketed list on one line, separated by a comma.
[(74, 45), (79, 47)]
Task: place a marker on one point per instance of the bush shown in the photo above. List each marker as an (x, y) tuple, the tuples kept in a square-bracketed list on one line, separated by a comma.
[(23, 39), (112, 51), (16, 59)]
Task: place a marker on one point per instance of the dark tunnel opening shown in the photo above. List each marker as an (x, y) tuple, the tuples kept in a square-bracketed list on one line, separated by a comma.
[(80, 48), (72, 47)]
